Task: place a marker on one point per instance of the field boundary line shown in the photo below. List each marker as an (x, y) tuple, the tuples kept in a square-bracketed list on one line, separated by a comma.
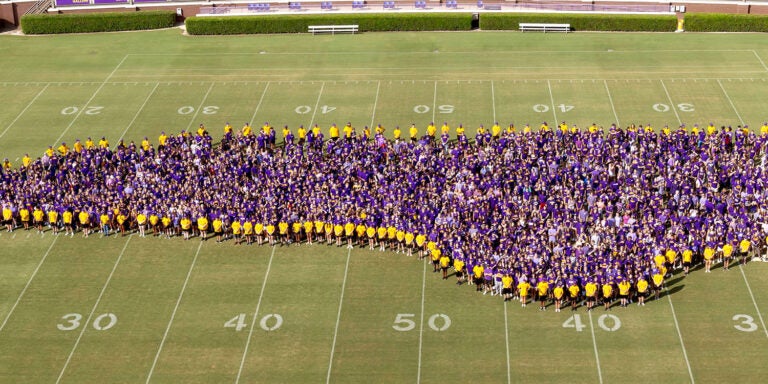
[(85, 324), (338, 318), (613, 107), (594, 344), (759, 315), (93, 96), (552, 101), (493, 105), (375, 103), (434, 102), (506, 339), (199, 107), (760, 59), (24, 110), (29, 282), (730, 101), (680, 336), (671, 103), (258, 106), (421, 323), (255, 313), (433, 52), (317, 103), (173, 314), (136, 115)]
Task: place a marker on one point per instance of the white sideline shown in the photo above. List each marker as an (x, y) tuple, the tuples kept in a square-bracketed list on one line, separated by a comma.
[(680, 336), (24, 110), (93, 96), (138, 112), (338, 318), (87, 322), (730, 101), (671, 103), (594, 343), (23, 291), (173, 314), (255, 314), (759, 315)]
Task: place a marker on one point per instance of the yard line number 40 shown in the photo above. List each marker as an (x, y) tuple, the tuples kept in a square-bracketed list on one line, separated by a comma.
[(269, 322)]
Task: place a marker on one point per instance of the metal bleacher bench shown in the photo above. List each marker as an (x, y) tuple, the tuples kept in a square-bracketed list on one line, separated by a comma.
[(332, 29), (545, 27)]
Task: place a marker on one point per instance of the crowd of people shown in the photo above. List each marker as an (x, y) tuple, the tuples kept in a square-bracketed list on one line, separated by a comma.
[(555, 214)]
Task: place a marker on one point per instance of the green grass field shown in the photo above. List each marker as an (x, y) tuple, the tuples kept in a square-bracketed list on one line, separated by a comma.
[(134, 310)]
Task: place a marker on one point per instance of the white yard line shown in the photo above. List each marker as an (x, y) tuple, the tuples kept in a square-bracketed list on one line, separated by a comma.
[(255, 314), (199, 107), (506, 338), (730, 101), (338, 319), (258, 106), (594, 343), (23, 291), (552, 101), (759, 315), (24, 110), (173, 314), (85, 324), (761, 60), (431, 52), (613, 107), (671, 103), (135, 116), (93, 96), (493, 105), (375, 103), (434, 102), (421, 323), (317, 103), (680, 336)]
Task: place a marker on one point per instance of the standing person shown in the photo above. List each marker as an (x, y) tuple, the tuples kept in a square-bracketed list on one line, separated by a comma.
[(37, 217), (236, 231), (658, 280), (642, 291), (744, 246), (218, 228), (186, 227), (53, 220), (445, 261), (542, 290), (66, 217), (8, 217), (202, 226), (624, 287), (607, 294), (727, 254), (590, 290), (522, 290), (141, 220), (709, 254), (506, 286), (458, 266), (558, 293), (477, 276), (687, 259), (573, 294)]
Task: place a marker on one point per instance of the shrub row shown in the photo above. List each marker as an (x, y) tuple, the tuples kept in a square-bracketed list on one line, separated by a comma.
[(582, 22), (236, 25), (96, 22), (716, 22)]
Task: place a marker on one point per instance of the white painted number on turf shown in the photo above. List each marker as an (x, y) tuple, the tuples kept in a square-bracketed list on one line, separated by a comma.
[(327, 109), (237, 322), (207, 110), (102, 322), (614, 320), (565, 108), (73, 321), (445, 108), (541, 108), (747, 323), (303, 109), (574, 322), (264, 323), (99, 325), (93, 110), (446, 322), (403, 322), (682, 107)]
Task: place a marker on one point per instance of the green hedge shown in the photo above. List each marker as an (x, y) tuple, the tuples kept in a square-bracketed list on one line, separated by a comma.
[(581, 22), (717, 22), (236, 25), (96, 22)]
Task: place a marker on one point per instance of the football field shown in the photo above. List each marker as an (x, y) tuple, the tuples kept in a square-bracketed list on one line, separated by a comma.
[(140, 310)]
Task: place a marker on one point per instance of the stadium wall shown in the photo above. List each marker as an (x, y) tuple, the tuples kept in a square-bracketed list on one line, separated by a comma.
[(11, 11)]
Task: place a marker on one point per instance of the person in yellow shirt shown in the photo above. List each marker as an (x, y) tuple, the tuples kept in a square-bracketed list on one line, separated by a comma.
[(381, 237), (186, 227), (711, 129), (282, 228), (248, 232), (458, 267), (744, 246), (558, 293), (8, 218), (396, 133), (154, 222), (349, 132), (77, 146), (258, 230), (104, 223), (671, 256), (167, 226), (89, 143), (709, 255), (542, 291), (370, 232), (409, 238), (400, 240), (236, 231), (53, 221), (432, 129), (141, 221), (66, 218), (391, 238), (658, 282), (301, 134), (590, 291), (642, 291), (145, 145), (85, 222), (202, 226), (727, 255), (522, 290), (624, 288), (435, 257), (414, 133), (360, 234), (459, 132), (103, 143), (445, 261), (330, 231), (349, 231), (218, 228), (607, 289), (26, 161), (573, 294), (24, 216), (506, 286), (511, 128), (307, 226), (687, 259), (477, 276), (246, 130), (333, 132), (37, 217), (496, 131), (201, 131), (421, 240), (270, 228), (63, 149)]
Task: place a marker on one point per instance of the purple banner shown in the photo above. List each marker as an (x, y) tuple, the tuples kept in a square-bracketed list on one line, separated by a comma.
[(151, 1), (110, 1), (67, 3)]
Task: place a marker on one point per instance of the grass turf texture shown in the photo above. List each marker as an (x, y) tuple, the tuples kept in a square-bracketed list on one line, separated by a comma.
[(172, 298)]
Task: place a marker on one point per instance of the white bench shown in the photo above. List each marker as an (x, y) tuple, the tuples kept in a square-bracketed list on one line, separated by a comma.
[(545, 27), (332, 29)]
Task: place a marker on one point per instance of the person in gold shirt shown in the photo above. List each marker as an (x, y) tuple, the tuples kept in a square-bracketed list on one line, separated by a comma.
[(301, 134), (24, 216), (37, 217), (186, 227), (658, 281), (334, 132), (642, 291), (66, 218), (89, 143), (496, 131), (727, 255), (445, 262), (167, 226), (141, 221), (624, 287), (85, 222), (477, 276), (744, 246), (558, 293), (53, 220), (381, 235), (202, 226), (709, 255), (414, 133), (370, 232), (258, 230), (459, 131), (458, 267), (360, 234), (104, 221), (435, 254), (432, 129), (349, 231), (522, 290), (506, 286), (542, 291), (396, 133), (607, 295), (247, 229), (573, 295), (8, 218), (409, 237), (246, 130), (590, 290), (26, 161), (103, 143), (154, 222), (236, 231), (218, 228), (270, 228), (687, 259)]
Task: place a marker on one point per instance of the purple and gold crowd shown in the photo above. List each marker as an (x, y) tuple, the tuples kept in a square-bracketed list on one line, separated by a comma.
[(557, 214)]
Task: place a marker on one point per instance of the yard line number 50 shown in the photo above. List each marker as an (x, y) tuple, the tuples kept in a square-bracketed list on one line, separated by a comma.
[(438, 322)]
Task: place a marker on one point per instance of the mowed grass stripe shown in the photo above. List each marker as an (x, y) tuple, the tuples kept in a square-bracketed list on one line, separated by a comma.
[(141, 296), (523, 102), (11, 105), (46, 323), (226, 283), (746, 98), (582, 102), (701, 102), (290, 104), (404, 102), (642, 102), (466, 102), (346, 102), (380, 287), (304, 290)]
